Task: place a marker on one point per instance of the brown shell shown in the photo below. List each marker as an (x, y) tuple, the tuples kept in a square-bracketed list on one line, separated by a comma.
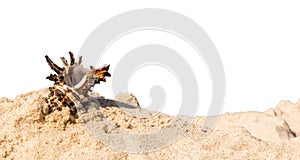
[(72, 79)]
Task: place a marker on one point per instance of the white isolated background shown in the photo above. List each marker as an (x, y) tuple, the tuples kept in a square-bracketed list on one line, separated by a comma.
[(258, 42)]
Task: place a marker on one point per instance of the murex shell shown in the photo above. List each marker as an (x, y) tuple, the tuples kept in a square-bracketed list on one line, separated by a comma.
[(76, 78)]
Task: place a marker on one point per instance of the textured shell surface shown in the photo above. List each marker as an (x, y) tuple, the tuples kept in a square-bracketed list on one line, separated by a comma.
[(74, 75)]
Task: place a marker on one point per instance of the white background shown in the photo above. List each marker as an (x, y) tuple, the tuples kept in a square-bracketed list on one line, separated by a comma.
[(258, 42)]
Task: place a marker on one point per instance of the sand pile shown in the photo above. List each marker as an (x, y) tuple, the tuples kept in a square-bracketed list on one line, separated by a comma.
[(26, 132)]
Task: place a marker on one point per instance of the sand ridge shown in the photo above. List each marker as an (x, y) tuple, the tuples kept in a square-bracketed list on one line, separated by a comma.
[(26, 132)]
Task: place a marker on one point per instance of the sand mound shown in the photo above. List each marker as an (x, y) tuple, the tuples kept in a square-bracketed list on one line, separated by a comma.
[(26, 132)]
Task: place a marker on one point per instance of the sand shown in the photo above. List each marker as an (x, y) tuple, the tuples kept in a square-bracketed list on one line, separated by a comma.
[(120, 129)]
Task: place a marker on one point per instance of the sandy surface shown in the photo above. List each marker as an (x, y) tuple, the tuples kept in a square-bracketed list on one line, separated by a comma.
[(119, 130)]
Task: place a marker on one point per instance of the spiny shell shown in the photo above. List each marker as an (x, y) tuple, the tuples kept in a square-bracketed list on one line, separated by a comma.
[(72, 78)]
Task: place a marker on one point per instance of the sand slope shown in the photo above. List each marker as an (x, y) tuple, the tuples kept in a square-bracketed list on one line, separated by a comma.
[(27, 133)]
